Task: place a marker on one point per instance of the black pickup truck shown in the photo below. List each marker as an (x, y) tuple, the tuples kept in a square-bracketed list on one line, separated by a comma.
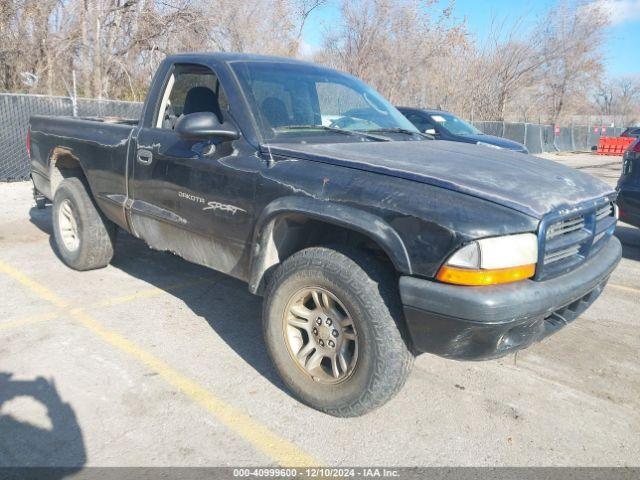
[(369, 241)]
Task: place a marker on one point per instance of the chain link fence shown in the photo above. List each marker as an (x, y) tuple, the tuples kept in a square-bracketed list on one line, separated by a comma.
[(15, 110), (547, 138)]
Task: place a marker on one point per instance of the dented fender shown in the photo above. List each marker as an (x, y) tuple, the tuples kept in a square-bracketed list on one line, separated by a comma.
[(337, 214)]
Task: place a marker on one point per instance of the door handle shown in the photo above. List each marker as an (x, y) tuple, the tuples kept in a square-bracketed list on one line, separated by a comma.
[(145, 157)]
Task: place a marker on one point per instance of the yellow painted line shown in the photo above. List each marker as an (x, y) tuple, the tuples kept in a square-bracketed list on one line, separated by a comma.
[(149, 293), (624, 287), (152, 292), (283, 451), (29, 320), (40, 290)]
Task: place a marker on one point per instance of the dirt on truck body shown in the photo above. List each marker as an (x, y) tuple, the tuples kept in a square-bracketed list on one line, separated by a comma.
[(369, 241)]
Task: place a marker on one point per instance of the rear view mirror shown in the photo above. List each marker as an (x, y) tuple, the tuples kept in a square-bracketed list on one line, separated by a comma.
[(204, 125)]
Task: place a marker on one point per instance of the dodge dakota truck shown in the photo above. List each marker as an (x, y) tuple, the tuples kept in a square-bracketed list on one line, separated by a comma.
[(369, 242)]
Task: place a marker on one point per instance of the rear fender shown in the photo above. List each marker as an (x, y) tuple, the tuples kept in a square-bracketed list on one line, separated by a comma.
[(62, 160)]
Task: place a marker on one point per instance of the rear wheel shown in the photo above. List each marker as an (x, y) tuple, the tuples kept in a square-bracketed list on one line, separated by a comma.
[(332, 328), (84, 237)]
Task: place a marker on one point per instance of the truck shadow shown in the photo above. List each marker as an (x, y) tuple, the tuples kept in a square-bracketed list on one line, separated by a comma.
[(24, 444), (222, 301), (630, 239)]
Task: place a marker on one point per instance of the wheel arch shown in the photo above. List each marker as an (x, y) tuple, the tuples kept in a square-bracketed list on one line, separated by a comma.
[(289, 224), (63, 164)]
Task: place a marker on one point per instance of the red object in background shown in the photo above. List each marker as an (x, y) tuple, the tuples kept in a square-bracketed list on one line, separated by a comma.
[(613, 145), (28, 143), (557, 130)]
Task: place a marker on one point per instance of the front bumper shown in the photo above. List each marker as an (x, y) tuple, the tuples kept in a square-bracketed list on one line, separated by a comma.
[(477, 323)]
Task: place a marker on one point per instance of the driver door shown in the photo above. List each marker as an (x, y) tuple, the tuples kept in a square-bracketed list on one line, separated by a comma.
[(193, 197)]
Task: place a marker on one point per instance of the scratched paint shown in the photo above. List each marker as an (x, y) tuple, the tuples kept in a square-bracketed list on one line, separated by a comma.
[(529, 184), (432, 196)]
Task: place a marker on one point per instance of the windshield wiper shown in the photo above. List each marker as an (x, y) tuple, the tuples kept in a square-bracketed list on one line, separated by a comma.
[(398, 130), (342, 131)]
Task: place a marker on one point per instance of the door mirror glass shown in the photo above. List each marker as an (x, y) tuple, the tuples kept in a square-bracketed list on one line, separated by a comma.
[(430, 131), (204, 125)]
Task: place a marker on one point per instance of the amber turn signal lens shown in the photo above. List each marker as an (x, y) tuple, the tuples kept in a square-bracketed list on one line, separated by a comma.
[(464, 276)]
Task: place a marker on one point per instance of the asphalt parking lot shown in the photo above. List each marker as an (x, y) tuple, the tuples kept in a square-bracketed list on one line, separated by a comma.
[(154, 361)]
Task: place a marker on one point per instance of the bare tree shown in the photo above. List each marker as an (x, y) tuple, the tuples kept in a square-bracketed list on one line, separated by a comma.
[(115, 45), (505, 66), (392, 44), (628, 99), (619, 96), (572, 53), (415, 52)]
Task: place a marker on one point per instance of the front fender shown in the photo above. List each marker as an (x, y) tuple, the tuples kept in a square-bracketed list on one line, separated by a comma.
[(338, 214)]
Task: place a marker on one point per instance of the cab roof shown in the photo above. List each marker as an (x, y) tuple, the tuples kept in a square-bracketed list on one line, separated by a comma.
[(234, 57)]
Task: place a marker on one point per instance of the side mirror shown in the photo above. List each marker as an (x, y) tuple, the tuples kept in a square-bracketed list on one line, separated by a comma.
[(204, 125), (431, 131)]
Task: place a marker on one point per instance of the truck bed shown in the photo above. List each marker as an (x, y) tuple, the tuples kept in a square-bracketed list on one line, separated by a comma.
[(111, 120), (102, 144)]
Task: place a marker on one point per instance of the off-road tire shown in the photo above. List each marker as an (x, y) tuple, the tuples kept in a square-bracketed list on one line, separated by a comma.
[(97, 234), (369, 291)]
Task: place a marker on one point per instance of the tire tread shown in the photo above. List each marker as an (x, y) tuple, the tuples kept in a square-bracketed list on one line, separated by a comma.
[(366, 277), (97, 242)]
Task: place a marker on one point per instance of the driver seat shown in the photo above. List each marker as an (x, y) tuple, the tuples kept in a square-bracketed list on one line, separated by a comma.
[(202, 99)]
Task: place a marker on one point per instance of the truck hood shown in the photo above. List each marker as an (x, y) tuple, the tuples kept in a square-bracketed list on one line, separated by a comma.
[(529, 184)]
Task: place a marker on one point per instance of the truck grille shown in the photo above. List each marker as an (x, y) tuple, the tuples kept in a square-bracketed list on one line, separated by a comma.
[(565, 227), (566, 240)]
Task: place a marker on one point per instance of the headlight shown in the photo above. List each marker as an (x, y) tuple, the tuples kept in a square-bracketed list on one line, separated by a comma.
[(485, 144), (492, 260)]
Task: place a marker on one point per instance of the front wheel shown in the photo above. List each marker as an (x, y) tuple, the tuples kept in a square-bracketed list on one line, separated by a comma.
[(332, 320)]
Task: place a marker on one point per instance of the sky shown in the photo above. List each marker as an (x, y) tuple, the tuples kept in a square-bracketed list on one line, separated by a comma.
[(620, 50)]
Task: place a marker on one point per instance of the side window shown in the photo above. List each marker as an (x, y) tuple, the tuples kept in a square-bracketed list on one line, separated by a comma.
[(190, 89)]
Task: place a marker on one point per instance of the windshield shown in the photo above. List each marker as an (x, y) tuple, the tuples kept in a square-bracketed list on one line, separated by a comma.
[(453, 124), (290, 100)]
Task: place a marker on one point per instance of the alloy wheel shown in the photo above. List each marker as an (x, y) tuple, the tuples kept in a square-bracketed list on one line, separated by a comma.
[(320, 335)]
